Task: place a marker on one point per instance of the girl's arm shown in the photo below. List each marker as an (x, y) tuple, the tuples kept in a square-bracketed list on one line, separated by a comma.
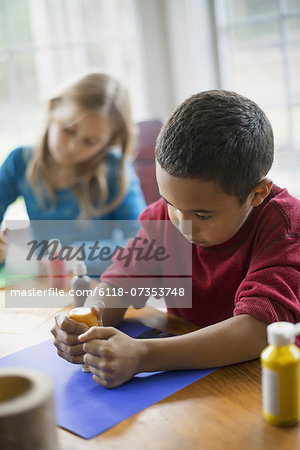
[(10, 173), (9, 191), (2, 246)]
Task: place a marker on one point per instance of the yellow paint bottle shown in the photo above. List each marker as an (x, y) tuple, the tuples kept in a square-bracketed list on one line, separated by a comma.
[(86, 316), (281, 374)]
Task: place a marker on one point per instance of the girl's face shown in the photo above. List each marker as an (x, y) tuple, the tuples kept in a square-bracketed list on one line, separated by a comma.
[(80, 141)]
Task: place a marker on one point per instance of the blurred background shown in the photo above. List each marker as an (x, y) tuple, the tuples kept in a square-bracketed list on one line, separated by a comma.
[(164, 51)]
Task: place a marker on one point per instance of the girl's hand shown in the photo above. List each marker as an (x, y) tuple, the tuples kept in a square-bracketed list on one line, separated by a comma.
[(3, 246), (113, 357)]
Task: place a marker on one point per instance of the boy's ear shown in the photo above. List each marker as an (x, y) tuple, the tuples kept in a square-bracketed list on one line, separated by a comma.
[(261, 191)]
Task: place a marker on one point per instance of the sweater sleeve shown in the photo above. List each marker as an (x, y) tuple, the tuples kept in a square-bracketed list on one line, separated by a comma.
[(10, 172), (271, 290)]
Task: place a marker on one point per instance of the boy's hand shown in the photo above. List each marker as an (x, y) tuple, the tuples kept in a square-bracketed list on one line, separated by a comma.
[(98, 308), (113, 357), (66, 332), (3, 246)]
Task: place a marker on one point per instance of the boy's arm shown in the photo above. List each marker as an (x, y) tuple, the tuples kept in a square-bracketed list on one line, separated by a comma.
[(231, 341), (114, 357)]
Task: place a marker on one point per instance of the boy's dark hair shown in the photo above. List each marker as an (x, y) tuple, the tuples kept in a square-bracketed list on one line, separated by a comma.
[(218, 136)]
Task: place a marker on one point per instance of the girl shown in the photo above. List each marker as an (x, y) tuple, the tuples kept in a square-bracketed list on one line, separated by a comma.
[(80, 168)]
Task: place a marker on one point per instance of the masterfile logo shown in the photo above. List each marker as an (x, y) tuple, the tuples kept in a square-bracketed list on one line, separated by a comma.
[(140, 259), (139, 248)]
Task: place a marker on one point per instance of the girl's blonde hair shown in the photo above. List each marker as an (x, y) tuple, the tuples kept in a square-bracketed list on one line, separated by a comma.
[(93, 92)]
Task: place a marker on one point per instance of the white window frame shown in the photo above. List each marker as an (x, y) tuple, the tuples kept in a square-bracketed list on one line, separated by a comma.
[(66, 11), (289, 177)]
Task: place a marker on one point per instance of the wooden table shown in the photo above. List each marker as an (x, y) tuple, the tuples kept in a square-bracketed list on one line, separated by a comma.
[(220, 411)]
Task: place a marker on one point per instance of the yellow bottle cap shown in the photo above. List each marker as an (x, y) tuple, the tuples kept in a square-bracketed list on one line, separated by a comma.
[(84, 315)]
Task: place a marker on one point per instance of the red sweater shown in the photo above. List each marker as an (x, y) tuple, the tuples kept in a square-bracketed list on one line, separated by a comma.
[(256, 272)]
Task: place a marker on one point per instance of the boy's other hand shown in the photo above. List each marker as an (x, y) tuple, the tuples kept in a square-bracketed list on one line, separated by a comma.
[(108, 309), (98, 308), (112, 356), (66, 332)]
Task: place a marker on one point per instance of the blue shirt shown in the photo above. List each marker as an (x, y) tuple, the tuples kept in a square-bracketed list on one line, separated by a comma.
[(14, 183)]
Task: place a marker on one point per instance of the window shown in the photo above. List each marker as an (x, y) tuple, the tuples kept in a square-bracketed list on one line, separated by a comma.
[(43, 42), (259, 56)]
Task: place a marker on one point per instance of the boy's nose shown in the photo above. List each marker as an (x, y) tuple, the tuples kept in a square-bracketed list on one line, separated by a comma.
[(184, 223), (185, 227)]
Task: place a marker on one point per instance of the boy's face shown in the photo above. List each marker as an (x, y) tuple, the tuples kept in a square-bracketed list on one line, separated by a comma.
[(215, 216)]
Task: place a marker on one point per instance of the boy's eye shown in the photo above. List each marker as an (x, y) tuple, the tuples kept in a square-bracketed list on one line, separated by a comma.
[(198, 215), (201, 217)]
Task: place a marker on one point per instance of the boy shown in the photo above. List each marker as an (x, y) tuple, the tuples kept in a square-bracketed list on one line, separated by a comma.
[(212, 157)]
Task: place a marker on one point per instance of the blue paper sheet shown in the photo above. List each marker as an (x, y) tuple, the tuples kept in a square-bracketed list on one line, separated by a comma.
[(84, 407)]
